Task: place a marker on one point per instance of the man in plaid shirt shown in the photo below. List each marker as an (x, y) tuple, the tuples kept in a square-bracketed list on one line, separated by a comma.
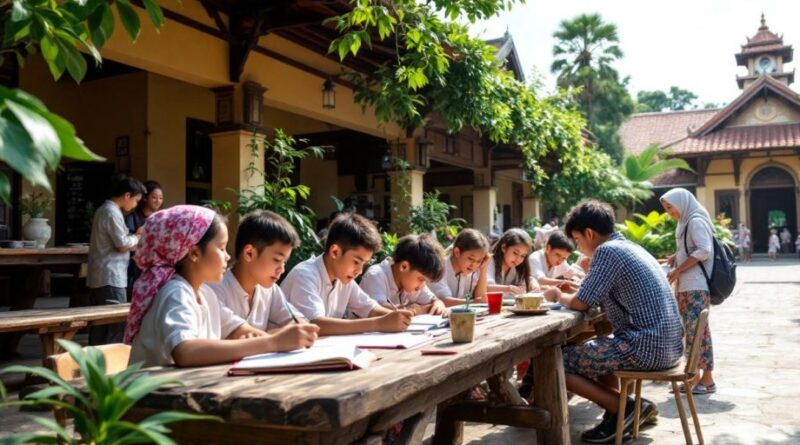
[(629, 284)]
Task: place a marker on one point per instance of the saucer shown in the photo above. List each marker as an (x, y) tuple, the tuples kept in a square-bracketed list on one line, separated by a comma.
[(520, 311)]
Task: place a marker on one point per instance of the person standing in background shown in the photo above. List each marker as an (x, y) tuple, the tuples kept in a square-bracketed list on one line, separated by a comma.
[(786, 240), (151, 202)]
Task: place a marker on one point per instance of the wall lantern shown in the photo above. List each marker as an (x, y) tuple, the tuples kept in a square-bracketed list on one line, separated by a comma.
[(328, 94), (253, 103), (423, 152)]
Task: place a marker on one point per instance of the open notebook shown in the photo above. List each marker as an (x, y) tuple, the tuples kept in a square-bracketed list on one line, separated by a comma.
[(425, 323), (315, 358), (377, 340)]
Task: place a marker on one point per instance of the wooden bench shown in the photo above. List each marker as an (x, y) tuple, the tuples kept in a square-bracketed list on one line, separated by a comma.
[(52, 324)]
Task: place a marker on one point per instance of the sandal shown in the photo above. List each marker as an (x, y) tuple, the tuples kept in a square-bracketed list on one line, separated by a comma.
[(700, 389)]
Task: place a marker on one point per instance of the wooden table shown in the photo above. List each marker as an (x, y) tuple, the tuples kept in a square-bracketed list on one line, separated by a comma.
[(403, 386), (52, 324), (26, 269)]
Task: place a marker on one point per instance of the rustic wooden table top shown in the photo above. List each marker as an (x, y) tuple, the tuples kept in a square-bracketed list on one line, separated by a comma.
[(82, 250), (43, 257), (38, 318), (322, 401)]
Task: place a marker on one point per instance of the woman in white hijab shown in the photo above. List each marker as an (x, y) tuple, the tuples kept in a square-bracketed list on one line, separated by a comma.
[(695, 227)]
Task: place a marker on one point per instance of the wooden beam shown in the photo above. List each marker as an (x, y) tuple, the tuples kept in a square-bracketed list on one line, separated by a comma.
[(702, 168), (245, 31), (737, 169), (512, 415), (214, 14)]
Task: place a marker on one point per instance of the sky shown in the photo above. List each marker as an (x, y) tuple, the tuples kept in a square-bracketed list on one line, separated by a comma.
[(689, 44)]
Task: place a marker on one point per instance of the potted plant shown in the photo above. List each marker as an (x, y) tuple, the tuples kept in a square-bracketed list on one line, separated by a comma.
[(35, 205)]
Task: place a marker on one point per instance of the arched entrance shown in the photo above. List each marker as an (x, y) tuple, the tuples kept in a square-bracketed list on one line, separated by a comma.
[(773, 204)]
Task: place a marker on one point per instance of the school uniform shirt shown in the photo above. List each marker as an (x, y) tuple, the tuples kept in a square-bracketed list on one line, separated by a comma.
[(454, 285), (176, 316), (311, 291), (540, 269), (267, 310), (510, 277), (379, 284), (106, 265), (629, 283)]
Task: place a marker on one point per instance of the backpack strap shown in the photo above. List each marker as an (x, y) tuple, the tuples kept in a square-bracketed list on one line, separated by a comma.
[(686, 247)]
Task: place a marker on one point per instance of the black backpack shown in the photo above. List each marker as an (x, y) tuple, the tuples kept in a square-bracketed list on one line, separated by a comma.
[(722, 279)]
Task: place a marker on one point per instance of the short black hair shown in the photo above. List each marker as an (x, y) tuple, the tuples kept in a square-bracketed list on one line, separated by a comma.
[(423, 253), (559, 240), (351, 230), (125, 184), (262, 228), (591, 214)]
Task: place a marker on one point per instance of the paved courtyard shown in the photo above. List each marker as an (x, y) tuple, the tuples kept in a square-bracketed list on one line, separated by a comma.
[(756, 337)]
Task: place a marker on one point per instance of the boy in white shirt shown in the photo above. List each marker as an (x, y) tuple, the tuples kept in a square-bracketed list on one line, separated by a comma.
[(401, 281), (324, 288), (264, 242), (549, 265)]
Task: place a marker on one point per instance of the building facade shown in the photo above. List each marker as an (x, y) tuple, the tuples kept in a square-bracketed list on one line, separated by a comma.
[(745, 156)]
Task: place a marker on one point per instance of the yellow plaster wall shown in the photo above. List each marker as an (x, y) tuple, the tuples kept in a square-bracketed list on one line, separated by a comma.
[(171, 102), (456, 193), (783, 113), (292, 123), (101, 110), (321, 176)]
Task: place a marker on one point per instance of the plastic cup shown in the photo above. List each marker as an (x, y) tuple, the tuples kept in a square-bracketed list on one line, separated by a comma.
[(462, 325), (495, 300)]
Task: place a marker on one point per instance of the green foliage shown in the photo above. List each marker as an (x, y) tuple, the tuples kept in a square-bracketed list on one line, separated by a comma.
[(276, 191), (657, 100), (649, 163), (389, 243), (32, 139), (655, 232), (433, 216), (36, 204), (98, 410), (584, 51)]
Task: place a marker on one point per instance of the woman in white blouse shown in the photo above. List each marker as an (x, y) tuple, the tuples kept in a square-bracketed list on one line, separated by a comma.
[(692, 261)]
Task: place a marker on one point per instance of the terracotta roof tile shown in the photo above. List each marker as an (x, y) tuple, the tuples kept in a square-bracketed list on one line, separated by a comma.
[(644, 129), (733, 139)]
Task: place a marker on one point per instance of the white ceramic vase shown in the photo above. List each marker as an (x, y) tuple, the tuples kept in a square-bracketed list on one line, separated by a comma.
[(38, 230)]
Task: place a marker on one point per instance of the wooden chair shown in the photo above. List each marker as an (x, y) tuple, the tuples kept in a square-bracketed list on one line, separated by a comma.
[(116, 356), (680, 373)]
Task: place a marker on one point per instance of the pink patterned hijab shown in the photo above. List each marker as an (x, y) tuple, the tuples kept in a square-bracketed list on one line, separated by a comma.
[(168, 236)]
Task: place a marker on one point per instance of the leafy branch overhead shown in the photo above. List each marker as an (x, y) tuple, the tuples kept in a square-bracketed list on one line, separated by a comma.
[(33, 139)]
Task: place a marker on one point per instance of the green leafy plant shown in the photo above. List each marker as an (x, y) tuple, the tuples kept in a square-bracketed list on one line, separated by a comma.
[(35, 204), (655, 232), (433, 216), (32, 139), (99, 410), (276, 191)]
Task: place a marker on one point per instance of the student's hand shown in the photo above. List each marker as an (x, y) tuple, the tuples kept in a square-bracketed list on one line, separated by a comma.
[(515, 290), (552, 295), (296, 336), (485, 263), (140, 231), (415, 308), (438, 308), (396, 321), (568, 286)]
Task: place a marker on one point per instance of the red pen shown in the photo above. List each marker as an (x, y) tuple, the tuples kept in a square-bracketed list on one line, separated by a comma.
[(438, 352)]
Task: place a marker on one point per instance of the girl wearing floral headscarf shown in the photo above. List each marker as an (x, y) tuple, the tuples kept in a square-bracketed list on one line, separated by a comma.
[(175, 318), (694, 226)]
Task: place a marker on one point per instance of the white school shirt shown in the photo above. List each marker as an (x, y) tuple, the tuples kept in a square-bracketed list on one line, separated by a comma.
[(175, 317), (311, 291), (379, 284), (540, 269), (509, 279), (452, 285), (268, 309), (106, 265)]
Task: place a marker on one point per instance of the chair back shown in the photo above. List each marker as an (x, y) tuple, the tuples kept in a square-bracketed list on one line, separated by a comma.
[(116, 356), (694, 354)]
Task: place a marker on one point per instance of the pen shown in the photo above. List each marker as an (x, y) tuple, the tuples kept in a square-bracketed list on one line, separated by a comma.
[(291, 312)]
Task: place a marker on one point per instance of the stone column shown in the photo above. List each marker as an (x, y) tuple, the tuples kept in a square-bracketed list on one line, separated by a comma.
[(407, 191), (484, 198)]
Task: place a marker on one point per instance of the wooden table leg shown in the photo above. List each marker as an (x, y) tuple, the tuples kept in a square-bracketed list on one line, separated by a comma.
[(414, 428), (448, 430), (550, 393), (503, 391)]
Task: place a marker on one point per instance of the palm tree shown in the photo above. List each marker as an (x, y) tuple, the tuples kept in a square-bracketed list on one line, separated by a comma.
[(648, 164), (583, 53)]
